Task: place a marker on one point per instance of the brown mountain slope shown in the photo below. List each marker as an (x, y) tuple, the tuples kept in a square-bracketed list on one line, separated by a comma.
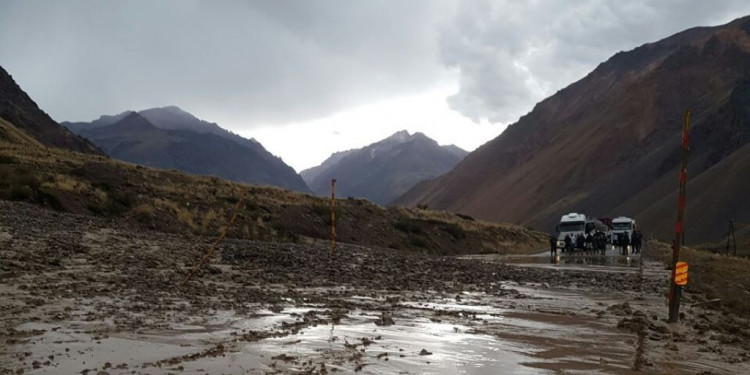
[(608, 144), (17, 108), (10, 133)]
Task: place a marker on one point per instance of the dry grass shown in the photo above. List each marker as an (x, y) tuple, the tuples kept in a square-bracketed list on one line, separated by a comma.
[(713, 275), (177, 202)]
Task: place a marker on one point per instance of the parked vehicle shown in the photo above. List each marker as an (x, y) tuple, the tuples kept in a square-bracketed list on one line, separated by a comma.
[(622, 226), (573, 225), (594, 225)]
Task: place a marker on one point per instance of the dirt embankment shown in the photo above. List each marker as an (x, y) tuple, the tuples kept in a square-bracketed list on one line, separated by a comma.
[(74, 286), (174, 202), (720, 281)]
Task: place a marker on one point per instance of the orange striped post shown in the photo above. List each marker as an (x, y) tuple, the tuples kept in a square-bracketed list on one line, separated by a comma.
[(681, 274), (675, 291)]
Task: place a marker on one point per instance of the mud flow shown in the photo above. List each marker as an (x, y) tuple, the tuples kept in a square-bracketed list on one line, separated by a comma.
[(83, 296)]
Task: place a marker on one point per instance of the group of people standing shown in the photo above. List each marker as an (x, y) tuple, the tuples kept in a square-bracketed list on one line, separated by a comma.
[(634, 240), (596, 243)]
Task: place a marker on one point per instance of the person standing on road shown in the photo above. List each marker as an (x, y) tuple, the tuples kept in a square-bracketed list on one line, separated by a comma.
[(600, 241), (636, 242), (580, 243), (589, 243), (568, 244), (552, 244), (624, 242)]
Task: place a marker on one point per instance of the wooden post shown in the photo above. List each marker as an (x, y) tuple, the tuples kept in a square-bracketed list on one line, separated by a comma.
[(333, 216), (731, 239), (676, 290)]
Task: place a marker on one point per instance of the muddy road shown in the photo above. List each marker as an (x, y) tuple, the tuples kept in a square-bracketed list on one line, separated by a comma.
[(83, 295)]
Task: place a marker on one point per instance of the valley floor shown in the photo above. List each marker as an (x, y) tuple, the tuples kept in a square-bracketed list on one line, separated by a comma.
[(81, 294)]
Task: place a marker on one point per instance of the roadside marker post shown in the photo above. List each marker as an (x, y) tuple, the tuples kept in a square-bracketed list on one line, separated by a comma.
[(681, 272), (222, 234), (675, 291), (333, 216), (731, 239)]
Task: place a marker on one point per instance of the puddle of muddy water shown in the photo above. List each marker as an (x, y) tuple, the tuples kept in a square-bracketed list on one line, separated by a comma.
[(70, 350), (388, 350), (485, 340), (480, 339), (472, 333), (611, 263)]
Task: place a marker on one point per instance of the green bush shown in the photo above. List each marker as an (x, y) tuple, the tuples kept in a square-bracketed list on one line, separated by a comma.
[(454, 230), (20, 193), (407, 225), (324, 212), (20, 184), (466, 217), (418, 242), (321, 210), (116, 204)]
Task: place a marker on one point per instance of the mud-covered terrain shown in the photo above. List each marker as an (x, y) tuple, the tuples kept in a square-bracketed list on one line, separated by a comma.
[(82, 294)]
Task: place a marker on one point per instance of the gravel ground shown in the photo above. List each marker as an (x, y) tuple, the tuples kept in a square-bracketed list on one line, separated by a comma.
[(68, 278)]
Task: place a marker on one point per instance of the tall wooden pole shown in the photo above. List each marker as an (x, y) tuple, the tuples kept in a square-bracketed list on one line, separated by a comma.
[(731, 239), (675, 290), (333, 216)]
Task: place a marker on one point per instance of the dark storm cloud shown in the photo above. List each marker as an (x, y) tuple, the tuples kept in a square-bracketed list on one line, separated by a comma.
[(512, 54), (264, 61), (272, 62)]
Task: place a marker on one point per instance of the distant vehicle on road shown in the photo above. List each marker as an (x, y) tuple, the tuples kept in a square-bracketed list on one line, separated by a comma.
[(595, 225), (575, 224), (622, 226)]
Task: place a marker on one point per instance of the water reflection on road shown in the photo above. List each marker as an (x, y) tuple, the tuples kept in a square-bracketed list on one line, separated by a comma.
[(610, 262)]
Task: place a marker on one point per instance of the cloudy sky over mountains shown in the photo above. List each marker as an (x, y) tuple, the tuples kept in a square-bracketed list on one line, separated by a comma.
[(307, 78)]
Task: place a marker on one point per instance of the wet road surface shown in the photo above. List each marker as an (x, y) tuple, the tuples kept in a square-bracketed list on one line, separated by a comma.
[(101, 300)]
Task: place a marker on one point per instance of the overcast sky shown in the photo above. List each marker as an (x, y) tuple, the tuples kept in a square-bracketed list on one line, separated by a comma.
[(307, 78)]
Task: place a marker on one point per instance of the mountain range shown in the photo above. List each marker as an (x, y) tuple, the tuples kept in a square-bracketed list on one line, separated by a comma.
[(609, 144), (17, 108), (171, 138), (384, 170)]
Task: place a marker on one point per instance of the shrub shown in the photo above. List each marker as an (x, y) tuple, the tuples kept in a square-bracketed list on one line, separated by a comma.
[(23, 177), (20, 193), (115, 204), (324, 211), (103, 186), (321, 210), (50, 199), (454, 230), (465, 217), (118, 203), (144, 213), (418, 242), (23, 184), (184, 216), (407, 225)]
